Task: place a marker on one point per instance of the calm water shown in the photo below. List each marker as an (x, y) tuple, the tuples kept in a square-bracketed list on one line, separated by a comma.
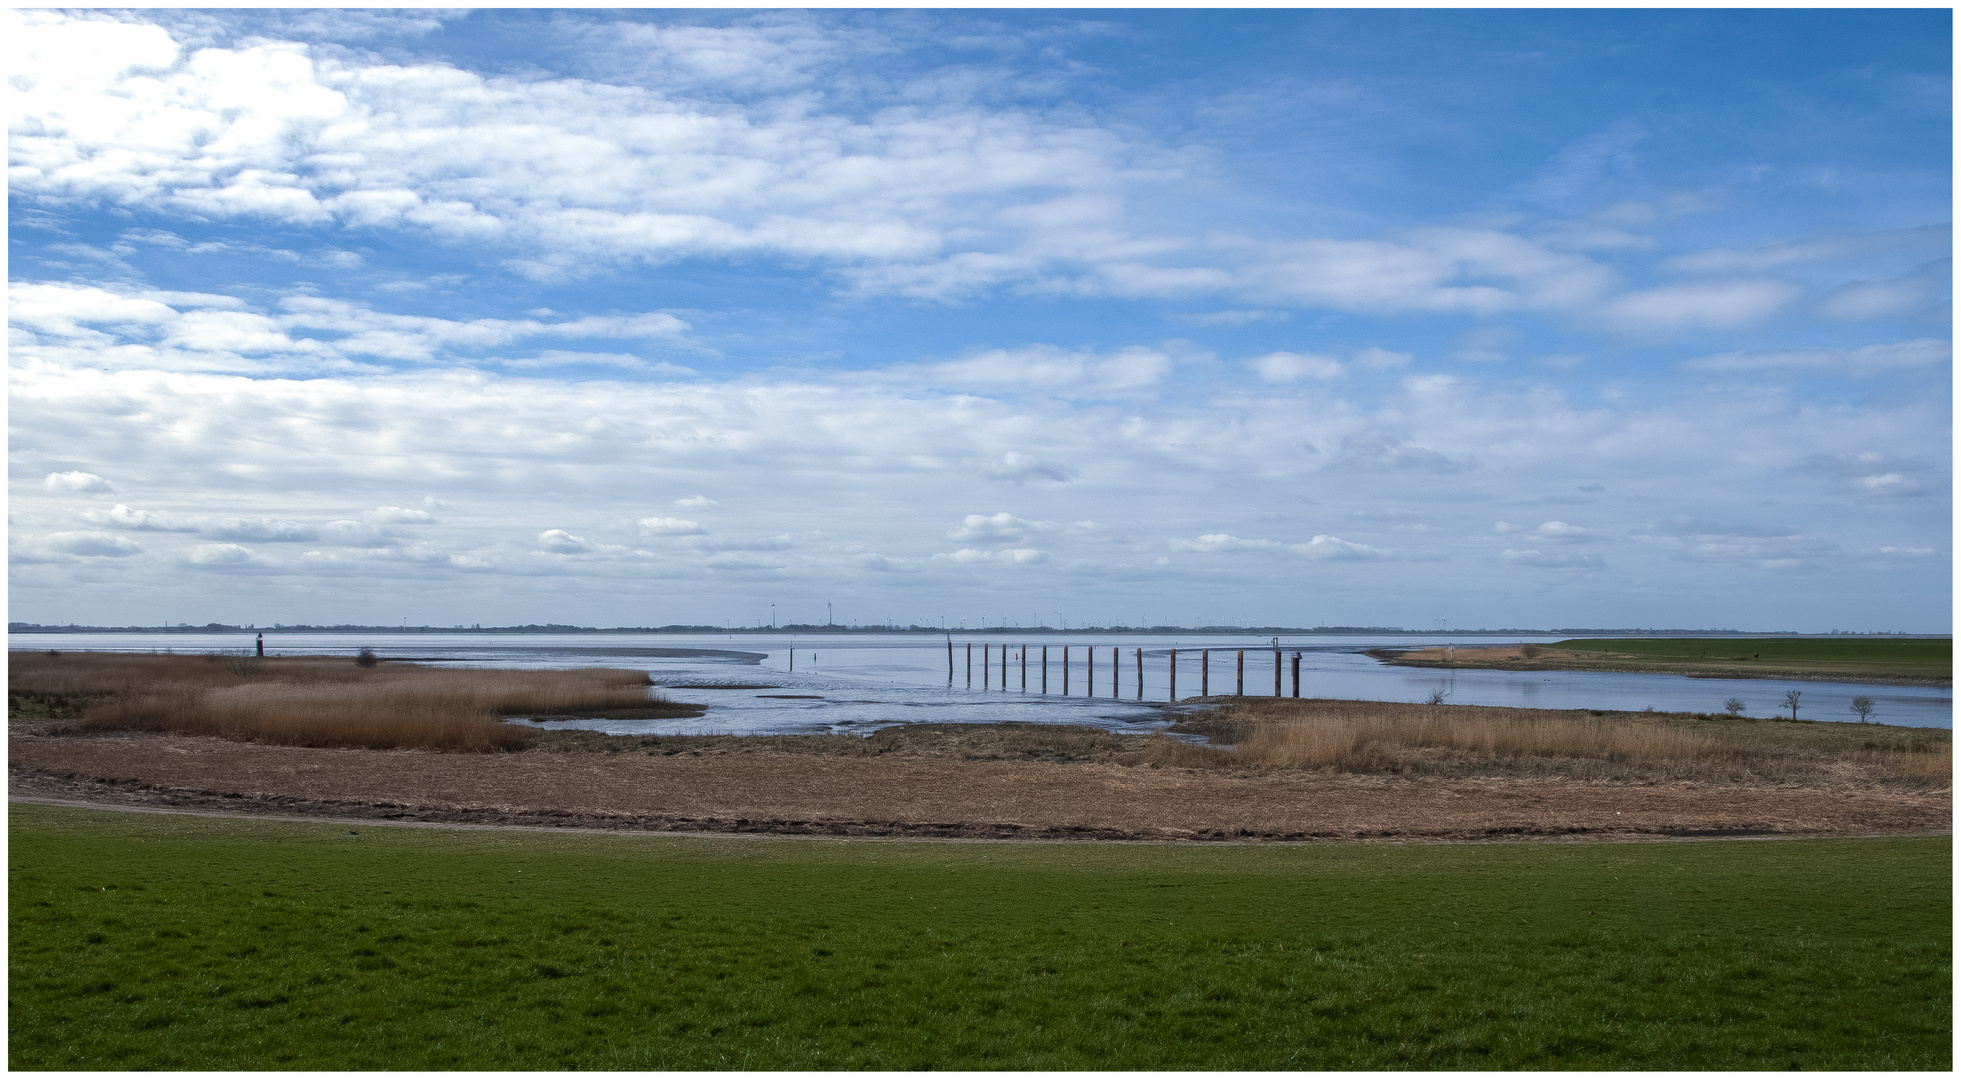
[(860, 683)]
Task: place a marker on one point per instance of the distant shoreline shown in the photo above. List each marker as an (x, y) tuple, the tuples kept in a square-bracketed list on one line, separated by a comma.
[(928, 631)]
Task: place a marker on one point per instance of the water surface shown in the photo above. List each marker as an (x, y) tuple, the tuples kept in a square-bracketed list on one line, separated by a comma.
[(860, 682)]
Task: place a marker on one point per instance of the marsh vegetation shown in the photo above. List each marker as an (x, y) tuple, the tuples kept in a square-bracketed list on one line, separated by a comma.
[(324, 701)]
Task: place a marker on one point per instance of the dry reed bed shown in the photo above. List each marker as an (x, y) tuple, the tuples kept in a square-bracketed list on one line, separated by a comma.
[(318, 700), (1460, 740)]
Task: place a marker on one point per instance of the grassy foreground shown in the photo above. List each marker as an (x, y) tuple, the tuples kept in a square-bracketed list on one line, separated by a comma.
[(141, 941)]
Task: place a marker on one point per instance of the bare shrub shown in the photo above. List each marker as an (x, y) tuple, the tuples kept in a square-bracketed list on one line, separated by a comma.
[(366, 658), (1862, 707), (1733, 706), (1530, 652)]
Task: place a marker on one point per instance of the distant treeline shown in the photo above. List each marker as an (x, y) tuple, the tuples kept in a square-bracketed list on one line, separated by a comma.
[(819, 628)]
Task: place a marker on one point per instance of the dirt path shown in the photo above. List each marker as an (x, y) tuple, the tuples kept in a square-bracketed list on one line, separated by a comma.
[(802, 794)]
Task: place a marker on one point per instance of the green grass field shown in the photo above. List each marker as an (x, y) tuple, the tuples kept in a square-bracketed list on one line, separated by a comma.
[(176, 942), (1912, 657)]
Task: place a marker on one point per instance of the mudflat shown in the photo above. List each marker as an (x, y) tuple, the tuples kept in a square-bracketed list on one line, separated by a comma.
[(924, 783)]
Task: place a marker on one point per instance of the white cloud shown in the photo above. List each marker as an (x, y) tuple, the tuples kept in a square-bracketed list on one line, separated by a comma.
[(1320, 548), (1865, 360), (563, 543), (106, 545), (696, 502), (398, 515), (1017, 467), (223, 555), (264, 530), (1924, 241), (1712, 305), (1001, 528), (123, 327), (79, 482), (671, 526), (1283, 367), (1043, 369), (124, 517), (1011, 556)]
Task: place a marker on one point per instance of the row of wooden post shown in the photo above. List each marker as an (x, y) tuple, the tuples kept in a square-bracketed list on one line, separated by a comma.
[(1116, 665)]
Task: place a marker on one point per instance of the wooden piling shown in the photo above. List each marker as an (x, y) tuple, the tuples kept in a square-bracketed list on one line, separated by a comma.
[(1045, 669), (1024, 668), (1139, 660), (1276, 673), (1297, 674), (949, 661), (1065, 671), (984, 668), (1004, 667), (970, 665), (1205, 673), (1239, 689), (1174, 677), (1116, 670), (793, 658), (1089, 670)]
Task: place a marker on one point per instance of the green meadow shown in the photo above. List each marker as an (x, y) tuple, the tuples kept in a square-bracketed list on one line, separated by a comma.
[(1849, 657), (178, 942)]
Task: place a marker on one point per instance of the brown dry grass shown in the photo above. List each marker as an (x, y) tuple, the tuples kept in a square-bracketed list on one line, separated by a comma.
[(1463, 740), (318, 700)]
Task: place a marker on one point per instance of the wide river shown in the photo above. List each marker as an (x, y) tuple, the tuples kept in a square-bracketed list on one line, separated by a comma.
[(861, 682)]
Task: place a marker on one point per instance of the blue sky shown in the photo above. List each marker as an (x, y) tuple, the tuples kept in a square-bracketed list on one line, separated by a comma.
[(1593, 318)]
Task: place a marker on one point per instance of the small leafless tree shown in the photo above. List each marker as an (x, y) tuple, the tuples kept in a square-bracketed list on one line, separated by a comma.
[(1530, 652), (366, 658), (1437, 697), (1791, 699), (1733, 706), (1863, 706)]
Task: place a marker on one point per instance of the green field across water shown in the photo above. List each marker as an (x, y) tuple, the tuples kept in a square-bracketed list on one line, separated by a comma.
[(1915, 658), (179, 942)]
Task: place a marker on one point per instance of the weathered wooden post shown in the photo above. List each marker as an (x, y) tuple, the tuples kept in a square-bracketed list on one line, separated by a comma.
[(1205, 673), (1174, 676), (1065, 671), (1004, 667), (1089, 670), (1024, 667), (793, 658), (1276, 673), (1140, 674), (1116, 671), (1239, 688), (1045, 669), (984, 655), (949, 660), (1297, 674), (970, 665)]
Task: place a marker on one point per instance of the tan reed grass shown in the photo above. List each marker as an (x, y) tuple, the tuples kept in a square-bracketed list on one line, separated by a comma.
[(322, 701), (1349, 736)]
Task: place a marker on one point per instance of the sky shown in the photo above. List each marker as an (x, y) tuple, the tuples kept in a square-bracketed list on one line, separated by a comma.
[(1377, 318)]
